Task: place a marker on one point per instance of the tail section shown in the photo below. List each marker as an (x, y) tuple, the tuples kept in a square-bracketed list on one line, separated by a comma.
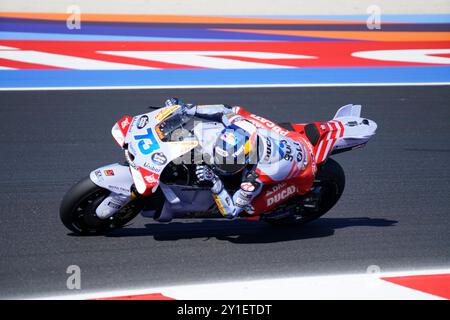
[(331, 132), (349, 110), (345, 132)]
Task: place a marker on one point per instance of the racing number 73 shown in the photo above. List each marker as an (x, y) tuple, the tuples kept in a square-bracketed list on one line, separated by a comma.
[(145, 147)]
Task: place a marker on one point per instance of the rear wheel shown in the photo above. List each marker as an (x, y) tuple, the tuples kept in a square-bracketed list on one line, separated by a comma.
[(326, 192), (77, 210)]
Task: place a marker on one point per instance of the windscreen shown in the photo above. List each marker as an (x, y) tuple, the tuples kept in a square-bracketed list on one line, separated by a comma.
[(167, 127)]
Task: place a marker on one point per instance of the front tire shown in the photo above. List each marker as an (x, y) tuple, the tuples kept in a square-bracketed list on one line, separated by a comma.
[(77, 210)]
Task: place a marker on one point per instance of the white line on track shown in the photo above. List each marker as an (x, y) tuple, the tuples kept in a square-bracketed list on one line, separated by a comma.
[(341, 286), (291, 85)]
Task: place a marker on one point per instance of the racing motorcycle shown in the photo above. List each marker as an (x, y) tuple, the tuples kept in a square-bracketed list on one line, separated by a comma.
[(162, 149)]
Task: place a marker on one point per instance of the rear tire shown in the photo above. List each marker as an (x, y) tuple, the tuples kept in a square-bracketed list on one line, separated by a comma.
[(331, 179), (77, 210)]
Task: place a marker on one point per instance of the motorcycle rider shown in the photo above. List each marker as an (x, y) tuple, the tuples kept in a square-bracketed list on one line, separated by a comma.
[(262, 157)]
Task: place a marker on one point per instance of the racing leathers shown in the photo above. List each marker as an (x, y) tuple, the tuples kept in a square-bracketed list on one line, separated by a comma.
[(278, 158)]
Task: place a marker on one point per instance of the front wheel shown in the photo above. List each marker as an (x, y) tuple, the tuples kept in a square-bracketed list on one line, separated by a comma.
[(77, 210), (328, 188)]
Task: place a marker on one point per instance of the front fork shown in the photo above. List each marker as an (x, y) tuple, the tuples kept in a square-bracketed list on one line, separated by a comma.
[(112, 204)]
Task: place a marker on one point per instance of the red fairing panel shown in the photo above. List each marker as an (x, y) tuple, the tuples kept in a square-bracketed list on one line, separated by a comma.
[(150, 179), (120, 130), (330, 132), (124, 124), (259, 121), (273, 195), (301, 181)]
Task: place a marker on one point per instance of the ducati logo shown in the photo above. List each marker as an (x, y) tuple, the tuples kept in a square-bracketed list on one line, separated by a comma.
[(280, 196), (263, 122)]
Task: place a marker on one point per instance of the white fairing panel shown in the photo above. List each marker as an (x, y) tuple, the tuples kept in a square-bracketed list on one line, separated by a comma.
[(150, 153), (114, 177), (349, 110), (186, 200), (357, 131)]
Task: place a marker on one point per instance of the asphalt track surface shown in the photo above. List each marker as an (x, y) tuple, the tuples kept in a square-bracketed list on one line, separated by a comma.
[(394, 212)]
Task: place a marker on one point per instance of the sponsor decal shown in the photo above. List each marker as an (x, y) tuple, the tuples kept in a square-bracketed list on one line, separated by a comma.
[(164, 113), (98, 176), (275, 188), (98, 173), (241, 202), (143, 121), (299, 157), (286, 151), (108, 173), (152, 167), (308, 148), (247, 186), (261, 122), (229, 138), (146, 181), (147, 143), (282, 195), (119, 189), (299, 150), (268, 149), (246, 195), (159, 158), (151, 179), (125, 123), (114, 205), (243, 199)]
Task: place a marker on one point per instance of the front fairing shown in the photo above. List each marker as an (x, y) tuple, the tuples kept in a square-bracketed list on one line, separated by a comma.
[(150, 154)]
